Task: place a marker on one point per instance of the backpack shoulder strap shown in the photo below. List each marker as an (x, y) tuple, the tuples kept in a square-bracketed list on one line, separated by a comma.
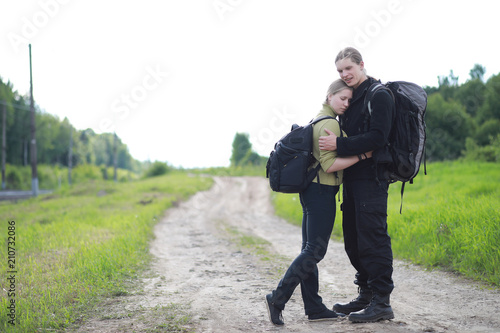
[(374, 88), (314, 121), (367, 108)]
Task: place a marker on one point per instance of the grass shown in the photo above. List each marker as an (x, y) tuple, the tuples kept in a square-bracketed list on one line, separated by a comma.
[(80, 244), (88, 242), (450, 219), (257, 245)]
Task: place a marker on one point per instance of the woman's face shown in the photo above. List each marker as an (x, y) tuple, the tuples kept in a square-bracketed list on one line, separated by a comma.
[(340, 101), (350, 72)]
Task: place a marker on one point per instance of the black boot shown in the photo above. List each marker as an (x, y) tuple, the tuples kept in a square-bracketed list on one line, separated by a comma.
[(379, 309), (357, 304)]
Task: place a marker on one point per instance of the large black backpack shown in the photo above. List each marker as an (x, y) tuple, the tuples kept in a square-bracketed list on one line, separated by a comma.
[(405, 148), (289, 165)]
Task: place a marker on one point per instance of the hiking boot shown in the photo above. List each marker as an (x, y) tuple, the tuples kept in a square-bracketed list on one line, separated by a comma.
[(357, 304), (274, 313), (379, 309), (326, 314)]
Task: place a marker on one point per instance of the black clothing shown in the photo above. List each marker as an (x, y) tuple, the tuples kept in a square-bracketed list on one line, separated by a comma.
[(358, 140), (318, 204), (364, 207), (366, 241)]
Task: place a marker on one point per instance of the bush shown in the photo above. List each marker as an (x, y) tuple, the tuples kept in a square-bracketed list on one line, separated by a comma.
[(486, 131), (157, 169), (86, 172), (50, 176), (17, 177), (475, 152)]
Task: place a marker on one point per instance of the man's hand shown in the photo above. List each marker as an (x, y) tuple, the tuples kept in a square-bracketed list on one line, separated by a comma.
[(328, 142)]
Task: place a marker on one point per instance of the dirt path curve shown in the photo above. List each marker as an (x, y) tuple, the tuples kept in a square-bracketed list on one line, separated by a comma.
[(198, 264)]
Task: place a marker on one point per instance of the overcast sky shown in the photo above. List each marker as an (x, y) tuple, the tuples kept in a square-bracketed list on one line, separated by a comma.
[(177, 79)]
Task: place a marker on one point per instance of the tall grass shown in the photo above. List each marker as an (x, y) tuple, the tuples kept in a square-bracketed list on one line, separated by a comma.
[(51, 177), (81, 243), (450, 218)]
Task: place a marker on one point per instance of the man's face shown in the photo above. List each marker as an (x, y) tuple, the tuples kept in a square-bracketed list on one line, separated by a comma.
[(350, 72)]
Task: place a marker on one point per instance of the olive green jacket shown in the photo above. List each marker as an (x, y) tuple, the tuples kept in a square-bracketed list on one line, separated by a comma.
[(326, 157)]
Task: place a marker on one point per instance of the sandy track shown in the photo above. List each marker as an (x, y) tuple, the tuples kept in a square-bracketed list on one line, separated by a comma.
[(197, 264)]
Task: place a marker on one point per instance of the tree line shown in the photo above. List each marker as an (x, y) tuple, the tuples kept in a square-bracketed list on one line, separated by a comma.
[(462, 120), (54, 137)]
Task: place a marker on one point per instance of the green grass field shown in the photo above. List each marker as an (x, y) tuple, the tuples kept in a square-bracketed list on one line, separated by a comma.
[(79, 244), (450, 219)]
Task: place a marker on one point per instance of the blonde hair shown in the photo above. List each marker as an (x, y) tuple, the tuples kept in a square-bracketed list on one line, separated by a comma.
[(336, 86), (351, 53)]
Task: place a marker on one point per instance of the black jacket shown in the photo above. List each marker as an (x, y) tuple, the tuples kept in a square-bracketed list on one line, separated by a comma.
[(358, 139)]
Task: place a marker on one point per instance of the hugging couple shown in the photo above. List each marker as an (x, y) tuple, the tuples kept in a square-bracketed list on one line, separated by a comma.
[(345, 159)]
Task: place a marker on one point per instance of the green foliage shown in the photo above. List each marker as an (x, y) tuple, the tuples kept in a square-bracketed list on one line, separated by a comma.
[(17, 178), (488, 130), (489, 153), (448, 125), (471, 95), (241, 147), (52, 177), (243, 154), (53, 137), (80, 244), (449, 129), (491, 107), (477, 72), (157, 169), (450, 218)]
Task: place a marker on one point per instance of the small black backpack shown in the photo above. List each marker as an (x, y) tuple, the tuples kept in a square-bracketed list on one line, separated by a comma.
[(288, 166), (405, 148)]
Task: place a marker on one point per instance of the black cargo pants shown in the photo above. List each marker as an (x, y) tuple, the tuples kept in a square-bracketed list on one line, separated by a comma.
[(367, 243)]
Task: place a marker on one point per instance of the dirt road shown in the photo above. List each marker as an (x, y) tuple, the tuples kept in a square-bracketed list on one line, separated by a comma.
[(199, 264)]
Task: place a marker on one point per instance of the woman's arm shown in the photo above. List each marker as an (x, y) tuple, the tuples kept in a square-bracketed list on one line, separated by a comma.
[(342, 163)]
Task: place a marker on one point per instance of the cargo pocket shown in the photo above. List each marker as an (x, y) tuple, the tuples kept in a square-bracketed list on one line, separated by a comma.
[(374, 207)]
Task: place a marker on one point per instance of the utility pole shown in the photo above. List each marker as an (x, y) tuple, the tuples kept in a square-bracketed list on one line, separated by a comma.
[(34, 173), (4, 143), (70, 153)]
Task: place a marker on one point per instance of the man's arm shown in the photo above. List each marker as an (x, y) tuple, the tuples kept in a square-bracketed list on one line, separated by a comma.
[(378, 132)]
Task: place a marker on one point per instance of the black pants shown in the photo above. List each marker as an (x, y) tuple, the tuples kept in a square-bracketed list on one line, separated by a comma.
[(367, 243), (318, 205)]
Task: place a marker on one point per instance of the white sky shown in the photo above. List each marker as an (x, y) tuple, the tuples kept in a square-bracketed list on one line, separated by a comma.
[(177, 79)]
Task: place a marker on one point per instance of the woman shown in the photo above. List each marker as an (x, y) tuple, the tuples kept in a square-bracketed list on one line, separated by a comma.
[(318, 205)]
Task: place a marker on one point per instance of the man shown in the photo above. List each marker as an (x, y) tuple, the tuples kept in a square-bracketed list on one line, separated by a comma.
[(364, 206)]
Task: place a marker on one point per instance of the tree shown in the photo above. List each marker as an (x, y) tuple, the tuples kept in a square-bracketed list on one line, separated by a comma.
[(488, 130), (53, 137), (448, 85), (448, 126), (491, 107), (477, 72), (241, 146), (471, 94)]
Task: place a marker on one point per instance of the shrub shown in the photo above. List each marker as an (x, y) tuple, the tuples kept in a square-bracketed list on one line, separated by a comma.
[(157, 169)]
